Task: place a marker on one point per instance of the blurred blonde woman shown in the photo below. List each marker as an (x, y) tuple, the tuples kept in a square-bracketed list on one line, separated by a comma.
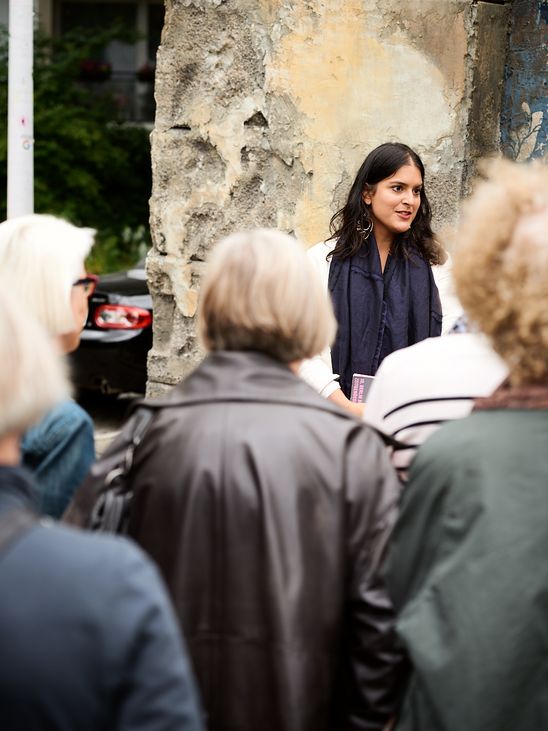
[(468, 571), (42, 257), (88, 639), (268, 508)]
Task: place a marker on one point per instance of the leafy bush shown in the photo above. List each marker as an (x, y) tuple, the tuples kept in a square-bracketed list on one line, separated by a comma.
[(90, 168), (119, 251)]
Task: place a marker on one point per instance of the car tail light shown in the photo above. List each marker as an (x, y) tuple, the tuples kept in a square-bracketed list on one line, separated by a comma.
[(121, 317)]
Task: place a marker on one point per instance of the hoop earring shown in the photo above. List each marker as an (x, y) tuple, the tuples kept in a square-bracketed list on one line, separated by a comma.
[(364, 226)]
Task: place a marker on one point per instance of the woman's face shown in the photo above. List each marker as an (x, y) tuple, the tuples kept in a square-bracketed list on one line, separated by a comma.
[(80, 304), (395, 201)]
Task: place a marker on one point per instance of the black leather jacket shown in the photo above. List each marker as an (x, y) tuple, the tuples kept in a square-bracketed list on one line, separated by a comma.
[(268, 511)]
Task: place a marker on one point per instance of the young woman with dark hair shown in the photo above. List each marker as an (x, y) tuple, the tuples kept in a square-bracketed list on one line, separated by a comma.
[(388, 276)]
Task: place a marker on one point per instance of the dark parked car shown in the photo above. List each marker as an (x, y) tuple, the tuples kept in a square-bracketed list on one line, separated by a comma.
[(117, 336)]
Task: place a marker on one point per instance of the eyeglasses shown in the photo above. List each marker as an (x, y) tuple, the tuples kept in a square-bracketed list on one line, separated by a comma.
[(89, 283)]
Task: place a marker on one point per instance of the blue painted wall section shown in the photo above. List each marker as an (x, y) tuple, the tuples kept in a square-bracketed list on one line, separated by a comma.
[(524, 118)]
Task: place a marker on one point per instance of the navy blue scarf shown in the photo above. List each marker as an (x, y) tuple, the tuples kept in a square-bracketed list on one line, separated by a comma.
[(378, 312)]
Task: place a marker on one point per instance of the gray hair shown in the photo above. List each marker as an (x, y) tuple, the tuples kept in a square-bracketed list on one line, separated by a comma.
[(261, 292)]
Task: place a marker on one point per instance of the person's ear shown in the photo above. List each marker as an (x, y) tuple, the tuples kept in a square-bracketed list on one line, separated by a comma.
[(367, 196)]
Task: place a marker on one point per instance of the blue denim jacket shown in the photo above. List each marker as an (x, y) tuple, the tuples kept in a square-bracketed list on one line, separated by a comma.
[(59, 450)]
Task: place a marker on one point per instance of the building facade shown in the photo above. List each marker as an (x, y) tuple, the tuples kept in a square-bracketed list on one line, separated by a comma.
[(131, 66)]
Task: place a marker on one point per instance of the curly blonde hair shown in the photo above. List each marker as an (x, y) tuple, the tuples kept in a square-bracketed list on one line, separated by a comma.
[(501, 265)]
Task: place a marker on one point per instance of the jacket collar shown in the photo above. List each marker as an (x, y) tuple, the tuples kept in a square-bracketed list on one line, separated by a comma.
[(245, 376), (515, 397)]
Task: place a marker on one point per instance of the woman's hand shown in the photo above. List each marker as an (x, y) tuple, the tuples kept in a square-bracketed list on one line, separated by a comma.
[(340, 399)]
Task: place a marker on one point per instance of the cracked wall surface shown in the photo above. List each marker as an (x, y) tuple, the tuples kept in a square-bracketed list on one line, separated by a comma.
[(266, 108)]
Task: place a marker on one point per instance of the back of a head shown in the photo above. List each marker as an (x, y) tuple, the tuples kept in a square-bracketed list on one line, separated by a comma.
[(501, 265), (42, 256), (261, 293), (32, 377)]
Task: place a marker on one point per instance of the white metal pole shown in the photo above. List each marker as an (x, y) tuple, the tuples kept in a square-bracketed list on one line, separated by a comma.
[(20, 109)]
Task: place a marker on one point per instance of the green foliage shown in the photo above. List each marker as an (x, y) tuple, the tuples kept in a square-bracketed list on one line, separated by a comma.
[(90, 168), (120, 251)]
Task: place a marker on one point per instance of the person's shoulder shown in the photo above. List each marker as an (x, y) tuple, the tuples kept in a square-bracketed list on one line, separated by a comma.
[(446, 264), (414, 355), (84, 555), (437, 350), (103, 582), (68, 414), (443, 273), (318, 252), (313, 413), (446, 447), (450, 464), (65, 421)]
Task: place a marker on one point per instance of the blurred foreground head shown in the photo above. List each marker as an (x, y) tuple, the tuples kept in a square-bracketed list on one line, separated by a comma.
[(262, 293), (43, 257), (32, 378), (501, 265)]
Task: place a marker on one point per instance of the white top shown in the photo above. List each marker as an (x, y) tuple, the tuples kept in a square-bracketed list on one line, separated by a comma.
[(417, 389), (317, 371)]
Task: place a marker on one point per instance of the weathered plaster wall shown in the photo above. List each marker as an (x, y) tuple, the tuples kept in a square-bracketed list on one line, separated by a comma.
[(266, 108), (488, 50), (524, 122)]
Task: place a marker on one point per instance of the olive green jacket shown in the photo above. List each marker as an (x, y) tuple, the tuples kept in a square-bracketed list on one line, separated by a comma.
[(468, 575)]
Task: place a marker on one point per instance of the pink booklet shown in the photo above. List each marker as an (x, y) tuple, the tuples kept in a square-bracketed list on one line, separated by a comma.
[(360, 387)]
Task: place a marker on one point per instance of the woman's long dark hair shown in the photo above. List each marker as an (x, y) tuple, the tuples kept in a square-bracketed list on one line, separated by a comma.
[(381, 163)]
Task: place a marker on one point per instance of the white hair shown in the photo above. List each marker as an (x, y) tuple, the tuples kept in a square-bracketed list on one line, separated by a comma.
[(32, 376), (42, 256)]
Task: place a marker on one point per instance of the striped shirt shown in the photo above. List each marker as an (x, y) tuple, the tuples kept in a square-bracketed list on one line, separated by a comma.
[(417, 389)]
